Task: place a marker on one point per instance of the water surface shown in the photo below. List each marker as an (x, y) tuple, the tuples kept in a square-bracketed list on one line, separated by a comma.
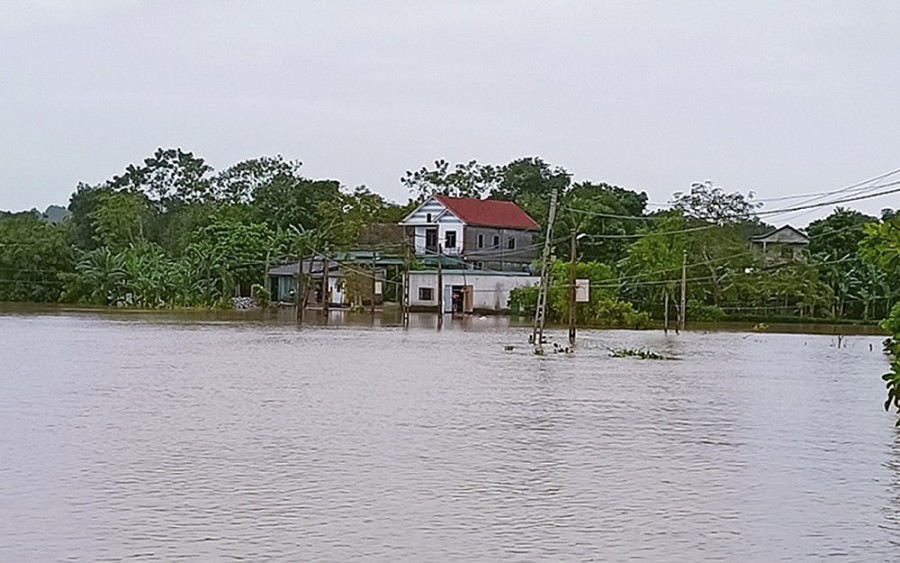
[(161, 437)]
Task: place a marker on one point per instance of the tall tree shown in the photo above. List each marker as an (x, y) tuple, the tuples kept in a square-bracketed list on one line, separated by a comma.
[(608, 214), (469, 179), (713, 204)]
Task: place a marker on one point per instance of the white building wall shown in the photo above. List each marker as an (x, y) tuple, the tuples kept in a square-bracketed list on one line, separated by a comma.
[(441, 219), (490, 292)]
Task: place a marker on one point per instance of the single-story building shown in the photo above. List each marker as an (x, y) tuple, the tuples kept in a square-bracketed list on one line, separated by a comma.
[(785, 244), (347, 270), (283, 281), (466, 291)]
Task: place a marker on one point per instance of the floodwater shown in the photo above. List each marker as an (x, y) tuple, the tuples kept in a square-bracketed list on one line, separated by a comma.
[(177, 437)]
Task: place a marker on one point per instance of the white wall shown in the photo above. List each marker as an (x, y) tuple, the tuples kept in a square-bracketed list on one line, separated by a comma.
[(490, 292), (442, 219)]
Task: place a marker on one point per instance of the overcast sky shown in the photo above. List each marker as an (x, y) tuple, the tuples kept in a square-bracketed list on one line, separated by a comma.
[(775, 97)]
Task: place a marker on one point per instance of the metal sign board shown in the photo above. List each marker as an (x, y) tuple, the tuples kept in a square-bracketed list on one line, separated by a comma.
[(582, 291)]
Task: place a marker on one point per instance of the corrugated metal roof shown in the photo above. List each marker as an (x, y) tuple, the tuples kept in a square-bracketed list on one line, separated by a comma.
[(489, 213)]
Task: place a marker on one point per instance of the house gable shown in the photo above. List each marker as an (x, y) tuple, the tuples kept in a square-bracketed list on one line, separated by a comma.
[(784, 235), (432, 207)]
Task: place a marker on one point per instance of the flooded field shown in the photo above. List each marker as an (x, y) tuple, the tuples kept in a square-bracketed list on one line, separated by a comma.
[(185, 437)]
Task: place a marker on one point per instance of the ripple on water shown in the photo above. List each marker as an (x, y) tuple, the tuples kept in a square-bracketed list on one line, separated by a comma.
[(155, 440)]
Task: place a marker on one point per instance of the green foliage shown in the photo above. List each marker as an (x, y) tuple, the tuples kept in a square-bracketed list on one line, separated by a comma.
[(892, 347), (601, 210), (33, 254), (262, 295), (118, 218), (711, 203), (881, 246), (603, 309), (705, 313), (857, 286), (469, 179)]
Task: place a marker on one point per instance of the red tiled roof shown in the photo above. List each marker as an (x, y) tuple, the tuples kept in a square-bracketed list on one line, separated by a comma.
[(488, 213)]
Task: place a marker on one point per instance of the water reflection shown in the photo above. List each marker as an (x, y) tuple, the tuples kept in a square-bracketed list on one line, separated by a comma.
[(220, 436)]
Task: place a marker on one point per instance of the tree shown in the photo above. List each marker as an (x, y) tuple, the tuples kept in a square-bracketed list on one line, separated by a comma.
[(118, 218), (653, 262), (604, 307), (346, 217), (80, 224), (279, 195), (601, 210), (33, 254), (713, 204), (469, 179), (834, 248), (169, 177), (529, 182)]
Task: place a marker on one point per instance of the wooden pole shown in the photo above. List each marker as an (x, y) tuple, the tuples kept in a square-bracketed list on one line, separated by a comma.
[(572, 290)]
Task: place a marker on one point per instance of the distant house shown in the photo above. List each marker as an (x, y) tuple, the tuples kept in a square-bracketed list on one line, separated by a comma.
[(482, 234), (785, 244), (465, 291), (343, 267)]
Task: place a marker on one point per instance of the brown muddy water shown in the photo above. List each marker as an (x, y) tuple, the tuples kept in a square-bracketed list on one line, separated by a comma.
[(214, 438)]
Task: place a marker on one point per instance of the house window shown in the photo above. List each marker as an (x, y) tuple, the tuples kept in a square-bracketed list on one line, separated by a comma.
[(480, 241), (426, 294), (428, 217), (511, 244), (450, 239), (479, 265), (496, 241), (431, 239)]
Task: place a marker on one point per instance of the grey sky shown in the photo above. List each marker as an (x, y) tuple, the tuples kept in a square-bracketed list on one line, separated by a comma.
[(775, 97)]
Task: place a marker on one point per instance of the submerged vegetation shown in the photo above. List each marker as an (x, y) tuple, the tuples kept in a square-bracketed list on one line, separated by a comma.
[(637, 353)]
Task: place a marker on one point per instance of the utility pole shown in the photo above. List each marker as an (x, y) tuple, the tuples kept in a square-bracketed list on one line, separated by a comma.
[(682, 317), (325, 300), (440, 288), (537, 336), (406, 280), (299, 288), (374, 284), (572, 291), (666, 310)]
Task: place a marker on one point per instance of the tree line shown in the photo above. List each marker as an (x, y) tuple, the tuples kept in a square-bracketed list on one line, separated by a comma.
[(173, 232)]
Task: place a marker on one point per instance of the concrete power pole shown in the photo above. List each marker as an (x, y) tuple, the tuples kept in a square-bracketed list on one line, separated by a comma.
[(682, 314), (406, 281), (374, 284), (572, 290), (440, 287), (540, 314)]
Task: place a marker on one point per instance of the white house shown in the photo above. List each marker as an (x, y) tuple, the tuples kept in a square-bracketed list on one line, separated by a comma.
[(485, 234), (466, 291)]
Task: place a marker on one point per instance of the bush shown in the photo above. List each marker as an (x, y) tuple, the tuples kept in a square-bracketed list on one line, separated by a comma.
[(705, 313)]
